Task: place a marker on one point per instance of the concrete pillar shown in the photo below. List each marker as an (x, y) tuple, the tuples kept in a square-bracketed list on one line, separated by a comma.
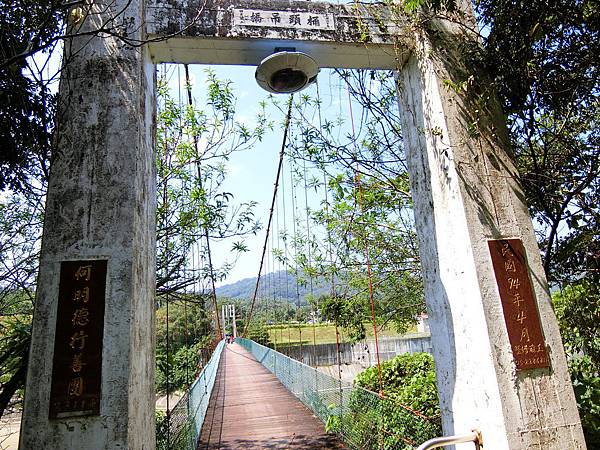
[(101, 206), (233, 321), (466, 192)]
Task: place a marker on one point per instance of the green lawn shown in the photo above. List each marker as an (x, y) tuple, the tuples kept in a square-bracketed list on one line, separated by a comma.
[(285, 334)]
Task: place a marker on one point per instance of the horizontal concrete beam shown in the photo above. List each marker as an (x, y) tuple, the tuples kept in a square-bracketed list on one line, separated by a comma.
[(245, 32)]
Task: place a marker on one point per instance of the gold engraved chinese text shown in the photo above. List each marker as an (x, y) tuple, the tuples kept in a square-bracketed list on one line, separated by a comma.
[(83, 272)]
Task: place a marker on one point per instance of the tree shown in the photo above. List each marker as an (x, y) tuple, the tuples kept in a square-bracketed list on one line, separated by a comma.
[(577, 308), (368, 242), (193, 143), (405, 413), (26, 105), (21, 216), (182, 331), (15, 335), (543, 57)]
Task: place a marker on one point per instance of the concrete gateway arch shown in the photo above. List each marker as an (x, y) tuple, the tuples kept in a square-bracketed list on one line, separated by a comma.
[(500, 363)]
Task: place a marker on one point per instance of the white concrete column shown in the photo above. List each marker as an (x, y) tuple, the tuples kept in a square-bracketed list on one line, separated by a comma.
[(234, 321), (101, 205), (466, 192)]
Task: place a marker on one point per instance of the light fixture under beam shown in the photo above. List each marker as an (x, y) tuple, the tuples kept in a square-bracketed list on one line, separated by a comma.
[(285, 72)]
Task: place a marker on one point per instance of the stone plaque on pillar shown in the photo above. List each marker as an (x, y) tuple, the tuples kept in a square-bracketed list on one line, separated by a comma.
[(77, 361), (518, 304)]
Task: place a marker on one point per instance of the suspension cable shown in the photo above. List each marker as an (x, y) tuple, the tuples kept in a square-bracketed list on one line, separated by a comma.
[(330, 255), (294, 225), (285, 253), (278, 258), (271, 291), (218, 330), (186, 262), (281, 154), (366, 242), (167, 165), (310, 274)]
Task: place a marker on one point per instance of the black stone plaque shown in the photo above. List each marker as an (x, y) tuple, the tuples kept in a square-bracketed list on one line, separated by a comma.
[(77, 363), (518, 304)]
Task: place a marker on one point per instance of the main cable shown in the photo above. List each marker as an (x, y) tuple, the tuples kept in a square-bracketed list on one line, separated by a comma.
[(262, 259)]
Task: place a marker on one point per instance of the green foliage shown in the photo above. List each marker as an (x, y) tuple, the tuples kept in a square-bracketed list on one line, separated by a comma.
[(179, 437), (193, 143), (179, 342), (348, 315), (179, 369), (26, 106), (334, 421), (21, 216), (20, 232), (412, 6), (259, 333), (162, 428), (586, 384), (26, 111), (15, 337), (543, 58), (368, 242), (391, 422), (577, 309), (542, 51), (407, 378), (188, 321)]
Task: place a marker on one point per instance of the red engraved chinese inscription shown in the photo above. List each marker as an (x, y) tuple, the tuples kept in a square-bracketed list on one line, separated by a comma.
[(518, 304)]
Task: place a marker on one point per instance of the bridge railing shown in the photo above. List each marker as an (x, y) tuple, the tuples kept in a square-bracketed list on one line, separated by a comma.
[(187, 417), (363, 419)]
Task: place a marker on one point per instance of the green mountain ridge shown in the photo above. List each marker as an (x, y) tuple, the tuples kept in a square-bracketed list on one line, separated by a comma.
[(280, 285)]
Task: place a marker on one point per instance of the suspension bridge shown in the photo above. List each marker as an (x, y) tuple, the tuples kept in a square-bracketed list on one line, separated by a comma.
[(249, 396), (249, 407)]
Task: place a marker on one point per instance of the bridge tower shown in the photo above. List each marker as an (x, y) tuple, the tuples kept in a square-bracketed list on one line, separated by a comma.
[(500, 363)]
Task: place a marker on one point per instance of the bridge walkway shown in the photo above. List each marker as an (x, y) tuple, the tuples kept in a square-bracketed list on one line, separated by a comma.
[(251, 409)]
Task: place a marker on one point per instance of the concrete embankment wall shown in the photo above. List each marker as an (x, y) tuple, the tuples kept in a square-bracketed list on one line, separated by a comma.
[(362, 354)]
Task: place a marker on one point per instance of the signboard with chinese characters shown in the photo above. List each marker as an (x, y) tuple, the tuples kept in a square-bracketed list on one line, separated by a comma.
[(518, 304), (283, 19), (77, 362)]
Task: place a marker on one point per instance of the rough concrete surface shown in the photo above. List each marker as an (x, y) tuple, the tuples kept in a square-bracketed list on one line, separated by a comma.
[(360, 35), (101, 205)]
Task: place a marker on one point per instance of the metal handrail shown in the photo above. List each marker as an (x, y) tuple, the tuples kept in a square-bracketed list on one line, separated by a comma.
[(474, 436)]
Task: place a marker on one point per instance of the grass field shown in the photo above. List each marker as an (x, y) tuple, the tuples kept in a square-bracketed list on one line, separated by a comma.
[(285, 334)]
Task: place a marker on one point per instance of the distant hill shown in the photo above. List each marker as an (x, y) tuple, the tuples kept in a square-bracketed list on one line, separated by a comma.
[(281, 284)]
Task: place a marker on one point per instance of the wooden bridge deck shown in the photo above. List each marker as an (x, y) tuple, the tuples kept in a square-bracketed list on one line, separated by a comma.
[(251, 409)]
